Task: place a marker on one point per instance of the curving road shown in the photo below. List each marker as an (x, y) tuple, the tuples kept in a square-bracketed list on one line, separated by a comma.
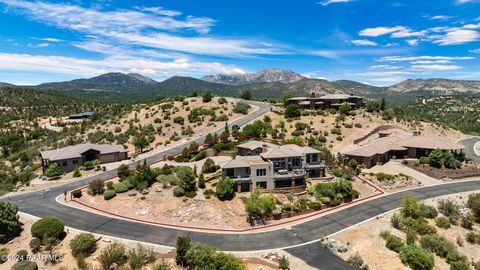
[(469, 147), (42, 203)]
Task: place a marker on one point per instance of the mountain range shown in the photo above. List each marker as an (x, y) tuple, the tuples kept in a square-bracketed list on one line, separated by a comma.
[(269, 83)]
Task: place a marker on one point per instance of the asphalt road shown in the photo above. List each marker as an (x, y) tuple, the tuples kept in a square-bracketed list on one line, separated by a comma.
[(469, 144)]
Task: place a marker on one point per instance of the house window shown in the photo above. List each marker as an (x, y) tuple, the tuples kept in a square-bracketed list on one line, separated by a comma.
[(261, 172), (314, 157), (75, 161), (262, 185), (64, 163)]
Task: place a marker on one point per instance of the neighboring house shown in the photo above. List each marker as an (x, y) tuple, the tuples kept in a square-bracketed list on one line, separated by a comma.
[(327, 101), (82, 115), (70, 157), (270, 166), (398, 145)]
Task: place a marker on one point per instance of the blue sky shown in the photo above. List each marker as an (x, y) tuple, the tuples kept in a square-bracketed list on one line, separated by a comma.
[(372, 41)]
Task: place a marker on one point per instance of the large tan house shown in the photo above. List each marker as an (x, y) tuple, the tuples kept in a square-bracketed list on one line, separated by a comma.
[(398, 145), (270, 166), (70, 157)]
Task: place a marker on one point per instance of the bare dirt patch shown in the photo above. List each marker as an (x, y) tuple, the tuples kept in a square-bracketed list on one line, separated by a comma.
[(468, 170)]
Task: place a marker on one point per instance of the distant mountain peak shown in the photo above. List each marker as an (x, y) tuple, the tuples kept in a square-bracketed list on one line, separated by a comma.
[(266, 75), (142, 78)]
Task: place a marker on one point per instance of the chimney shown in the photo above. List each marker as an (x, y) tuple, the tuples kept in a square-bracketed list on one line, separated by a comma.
[(264, 148)]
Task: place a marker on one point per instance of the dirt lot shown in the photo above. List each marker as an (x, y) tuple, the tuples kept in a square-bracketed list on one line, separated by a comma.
[(368, 122), (468, 170), (365, 239)]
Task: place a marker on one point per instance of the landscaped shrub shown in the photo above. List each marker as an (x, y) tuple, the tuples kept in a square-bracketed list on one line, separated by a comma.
[(182, 246), (241, 107), (443, 222), (48, 227), (458, 261), (25, 265), (109, 194), (190, 194), (467, 221), (123, 170), (178, 192), (423, 160), (10, 225), (209, 193), (109, 185), (83, 243), (209, 166), (416, 257), (53, 170), (120, 187), (225, 189), (35, 245), (113, 254), (22, 254), (96, 187), (396, 221), (77, 193), (334, 202), (315, 205)]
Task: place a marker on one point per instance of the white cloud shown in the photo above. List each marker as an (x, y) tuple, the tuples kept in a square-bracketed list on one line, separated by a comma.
[(427, 68), (476, 51), (456, 37), (364, 42), (465, 1), (423, 57), (328, 2), (413, 42), (89, 67), (43, 44), (385, 73), (472, 26), (439, 17), (380, 31), (385, 67), (49, 39), (152, 27), (428, 62)]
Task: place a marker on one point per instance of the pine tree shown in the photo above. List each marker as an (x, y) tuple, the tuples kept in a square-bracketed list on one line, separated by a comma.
[(201, 181)]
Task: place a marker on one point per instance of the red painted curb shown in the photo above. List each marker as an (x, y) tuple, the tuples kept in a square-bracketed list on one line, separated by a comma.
[(300, 217)]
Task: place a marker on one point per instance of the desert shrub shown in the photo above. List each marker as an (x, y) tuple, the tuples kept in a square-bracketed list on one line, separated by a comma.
[(227, 261), (225, 189), (178, 192), (411, 237), (187, 178), (182, 246), (437, 244), (48, 227), (222, 100), (410, 207), (467, 221), (428, 211), (179, 120), (120, 187), (458, 261), (209, 193), (473, 238), (77, 193), (109, 194), (22, 254), (334, 202), (356, 261), (450, 209), (416, 257), (474, 204), (424, 228), (443, 222), (139, 256), (393, 242), (9, 222), (260, 205), (35, 245), (283, 263), (84, 244), (25, 265), (76, 172), (113, 254), (241, 107), (96, 187), (201, 181), (396, 221), (162, 265)]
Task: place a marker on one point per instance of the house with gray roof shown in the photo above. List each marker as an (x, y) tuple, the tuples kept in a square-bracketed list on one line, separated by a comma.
[(270, 166), (70, 157)]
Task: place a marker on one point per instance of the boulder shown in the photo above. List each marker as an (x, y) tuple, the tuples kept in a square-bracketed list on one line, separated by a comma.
[(145, 192), (132, 194)]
